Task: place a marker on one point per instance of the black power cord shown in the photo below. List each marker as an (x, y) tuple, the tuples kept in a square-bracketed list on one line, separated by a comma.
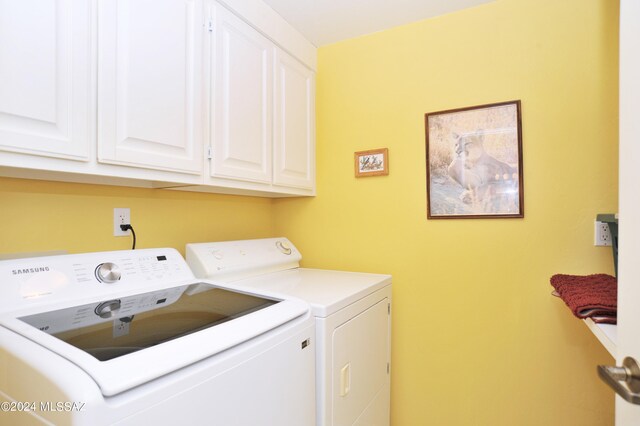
[(129, 227)]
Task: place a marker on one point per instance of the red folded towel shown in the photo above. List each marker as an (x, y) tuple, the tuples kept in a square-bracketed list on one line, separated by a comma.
[(589, 296)]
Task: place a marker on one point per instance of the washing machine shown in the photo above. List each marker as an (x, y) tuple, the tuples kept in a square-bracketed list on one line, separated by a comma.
[(352, 315), (132, 337)]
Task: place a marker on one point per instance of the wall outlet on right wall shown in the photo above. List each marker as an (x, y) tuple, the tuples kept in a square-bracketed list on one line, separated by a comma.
[(602, 235)]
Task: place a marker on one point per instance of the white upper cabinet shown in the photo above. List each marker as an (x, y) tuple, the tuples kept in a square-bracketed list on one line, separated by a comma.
[(200, 95), (46, 102), (150, 84), (294, 126), (262, 113), (241, 115)]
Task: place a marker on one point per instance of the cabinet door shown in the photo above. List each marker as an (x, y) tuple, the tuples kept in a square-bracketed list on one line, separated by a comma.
[(242, 101), (294, 128), (150, 84), (46, 101)]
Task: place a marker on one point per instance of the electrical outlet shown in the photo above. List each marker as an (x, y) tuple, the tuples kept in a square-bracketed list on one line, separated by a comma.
[(121, 216), (602, 235)]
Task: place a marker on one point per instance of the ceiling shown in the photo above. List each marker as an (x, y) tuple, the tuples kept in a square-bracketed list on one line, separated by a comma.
[(328, 21)]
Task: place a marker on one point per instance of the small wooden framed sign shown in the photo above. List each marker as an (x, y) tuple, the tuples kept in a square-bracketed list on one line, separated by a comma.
[(374, 162)]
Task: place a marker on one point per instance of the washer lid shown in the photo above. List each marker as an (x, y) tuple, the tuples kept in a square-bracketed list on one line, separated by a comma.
[(126, 341), (326, 291)]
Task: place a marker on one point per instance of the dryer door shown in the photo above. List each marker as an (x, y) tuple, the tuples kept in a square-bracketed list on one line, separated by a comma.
[(360, 389)]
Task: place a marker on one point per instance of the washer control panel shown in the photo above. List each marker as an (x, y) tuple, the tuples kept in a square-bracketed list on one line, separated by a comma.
[(34, 280)]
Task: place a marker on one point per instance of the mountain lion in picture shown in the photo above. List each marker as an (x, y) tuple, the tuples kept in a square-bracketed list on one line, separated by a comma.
[(482, 176)]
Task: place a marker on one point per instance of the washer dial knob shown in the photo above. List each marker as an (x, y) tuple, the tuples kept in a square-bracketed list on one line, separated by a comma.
[(108, 309), (108, 273)]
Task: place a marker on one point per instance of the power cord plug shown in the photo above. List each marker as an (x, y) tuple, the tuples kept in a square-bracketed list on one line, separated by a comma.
[(127, 227)]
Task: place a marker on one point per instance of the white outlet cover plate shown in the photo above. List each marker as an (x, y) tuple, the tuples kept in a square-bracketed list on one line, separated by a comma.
[(121, 216), (602, 235)]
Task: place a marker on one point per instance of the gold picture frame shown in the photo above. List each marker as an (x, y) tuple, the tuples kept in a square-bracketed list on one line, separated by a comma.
[(374, 162)]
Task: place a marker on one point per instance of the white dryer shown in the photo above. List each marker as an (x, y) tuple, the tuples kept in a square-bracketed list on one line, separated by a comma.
[(352, 315), (131, 337)]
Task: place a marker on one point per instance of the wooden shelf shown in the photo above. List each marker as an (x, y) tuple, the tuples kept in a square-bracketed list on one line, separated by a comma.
[(607, 334)]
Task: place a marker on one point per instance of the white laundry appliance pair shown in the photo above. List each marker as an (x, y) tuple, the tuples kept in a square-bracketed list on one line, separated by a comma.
[(352, 315), (132, 337)]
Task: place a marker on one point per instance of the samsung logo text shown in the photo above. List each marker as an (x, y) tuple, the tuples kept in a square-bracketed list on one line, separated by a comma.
[(30, 270)]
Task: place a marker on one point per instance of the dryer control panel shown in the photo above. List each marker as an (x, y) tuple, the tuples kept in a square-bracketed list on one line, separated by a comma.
[(232, 260)]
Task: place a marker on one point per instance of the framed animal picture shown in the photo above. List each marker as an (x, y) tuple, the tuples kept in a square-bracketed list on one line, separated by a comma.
[(474, 162), (374, 162)]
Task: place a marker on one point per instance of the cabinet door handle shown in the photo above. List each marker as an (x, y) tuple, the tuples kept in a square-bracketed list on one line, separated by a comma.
[(629, 373)]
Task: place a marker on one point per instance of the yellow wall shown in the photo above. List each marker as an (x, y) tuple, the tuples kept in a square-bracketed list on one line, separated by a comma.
[(41, 216), (477, 338)]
